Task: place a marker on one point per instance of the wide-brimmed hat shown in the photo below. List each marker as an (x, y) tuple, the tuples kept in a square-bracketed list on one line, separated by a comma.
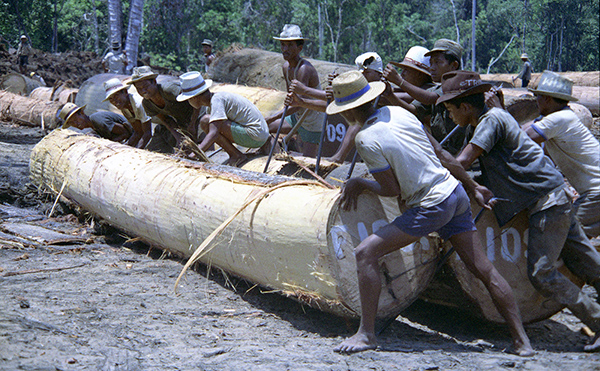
[(142, 73), (416, 59), (555, 85), (192, 84), (207, 42), (112, 86), (290, 32), (67, 111), (23, 37), (350, 90), (448, 47), (524, 56), (457, 84), (369, 60)]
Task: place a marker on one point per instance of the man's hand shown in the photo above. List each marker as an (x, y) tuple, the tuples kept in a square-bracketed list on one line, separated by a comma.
[(483, 196), (297, 87), (392, 75), (494, 98), (292, 100), (352, 190)]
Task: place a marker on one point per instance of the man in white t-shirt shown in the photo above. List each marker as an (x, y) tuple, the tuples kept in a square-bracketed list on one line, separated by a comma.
[(231, 118), (571, 146), (405, 161), (133, 110)]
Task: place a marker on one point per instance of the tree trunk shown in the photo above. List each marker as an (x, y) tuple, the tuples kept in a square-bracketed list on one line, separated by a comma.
[(134, 30), (115, 24), (296, 240)]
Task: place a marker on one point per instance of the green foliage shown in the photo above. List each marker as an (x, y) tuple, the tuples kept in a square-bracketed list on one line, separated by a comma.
[(174, 29)]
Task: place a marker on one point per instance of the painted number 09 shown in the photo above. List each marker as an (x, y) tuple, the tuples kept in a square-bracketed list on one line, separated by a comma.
[(336, 132)]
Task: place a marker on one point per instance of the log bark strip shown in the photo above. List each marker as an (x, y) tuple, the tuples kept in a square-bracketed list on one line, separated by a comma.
[(296, 240)]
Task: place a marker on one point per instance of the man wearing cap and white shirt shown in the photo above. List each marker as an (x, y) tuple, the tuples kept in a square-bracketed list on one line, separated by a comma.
[(231, 118), (209, 56), (160, 101), (406, 162), (115, 61), (570, 144), (108, 125), (133, 110), (515, 168), (297, 68), (444, 57)]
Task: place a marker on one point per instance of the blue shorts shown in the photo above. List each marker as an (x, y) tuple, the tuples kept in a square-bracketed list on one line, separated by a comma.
[(451, 217)]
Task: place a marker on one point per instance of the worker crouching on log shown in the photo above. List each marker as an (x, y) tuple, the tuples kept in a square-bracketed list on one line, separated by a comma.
[(160, 102), (407, 162), (515, 167), (108, 125), (231, 118), (133, 110)]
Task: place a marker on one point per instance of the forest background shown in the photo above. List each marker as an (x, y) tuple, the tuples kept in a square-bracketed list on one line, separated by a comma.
[(559, 35)]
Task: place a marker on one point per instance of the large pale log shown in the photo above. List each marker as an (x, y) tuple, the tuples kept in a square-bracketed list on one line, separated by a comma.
[(33, 112), (296, 240), (586, 78), (506, 247), (256, 67)]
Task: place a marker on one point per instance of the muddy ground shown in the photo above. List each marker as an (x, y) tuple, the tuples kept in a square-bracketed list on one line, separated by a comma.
[(101, 303)]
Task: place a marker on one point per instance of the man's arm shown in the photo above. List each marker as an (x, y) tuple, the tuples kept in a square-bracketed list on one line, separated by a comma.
[(532, 133), (385, 184), (422, 95), (457, 168), (171, 125)]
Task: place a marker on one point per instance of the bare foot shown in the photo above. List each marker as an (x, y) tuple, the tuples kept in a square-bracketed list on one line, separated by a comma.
[(237, 161), (524, 351), (595, 345), (357, 343)]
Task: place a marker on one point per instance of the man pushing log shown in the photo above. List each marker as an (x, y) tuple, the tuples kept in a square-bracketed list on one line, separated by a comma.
[(407, 162)]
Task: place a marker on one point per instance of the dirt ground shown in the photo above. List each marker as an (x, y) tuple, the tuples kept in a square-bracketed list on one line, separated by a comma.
[(101, 303)]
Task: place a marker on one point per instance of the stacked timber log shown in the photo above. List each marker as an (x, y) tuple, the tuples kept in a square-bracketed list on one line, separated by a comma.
[(588, 78), (295, 239), (18, 84), (255, 67), (32, 112), (61, 93)]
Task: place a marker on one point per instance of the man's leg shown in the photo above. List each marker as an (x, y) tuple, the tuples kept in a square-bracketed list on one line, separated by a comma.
[(384, 241), (548, 233), (469, 248)]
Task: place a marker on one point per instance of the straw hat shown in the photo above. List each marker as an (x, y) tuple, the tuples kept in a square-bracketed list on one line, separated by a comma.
[(112, 86), (369, 60), (415, 58), (457, 84), (192, 84), (448, 47), (68, 110), (524, 56), (142, 73), (555, 85), (351, 90), (290, 32), (207, 42)]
